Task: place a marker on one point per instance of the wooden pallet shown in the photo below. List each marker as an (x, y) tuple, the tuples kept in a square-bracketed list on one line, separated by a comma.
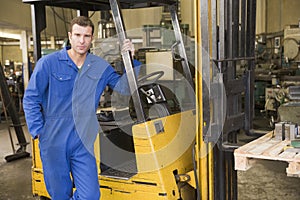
[(270, 148)]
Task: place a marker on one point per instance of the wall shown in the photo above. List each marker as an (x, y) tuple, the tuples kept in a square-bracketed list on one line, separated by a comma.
[(187, 14), (10, 18), (261, 14), (1, 61), (135, 19), (12, 53), (281, 13), (22, 19), (57, 20)]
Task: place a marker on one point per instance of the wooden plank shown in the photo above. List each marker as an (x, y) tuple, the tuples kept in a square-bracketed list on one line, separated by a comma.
[(251, 145), (293, 169), (276, 149), (243, 163), (297, 157), (261, 148), (287, 155)]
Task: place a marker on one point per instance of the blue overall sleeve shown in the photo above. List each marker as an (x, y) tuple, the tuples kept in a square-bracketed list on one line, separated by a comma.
[(120, 84), (33, 98)]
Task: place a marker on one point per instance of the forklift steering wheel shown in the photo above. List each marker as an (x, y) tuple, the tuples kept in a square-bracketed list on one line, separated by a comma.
[(144, 79)]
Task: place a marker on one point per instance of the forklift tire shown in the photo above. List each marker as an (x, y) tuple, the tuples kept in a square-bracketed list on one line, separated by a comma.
[(44, 198)]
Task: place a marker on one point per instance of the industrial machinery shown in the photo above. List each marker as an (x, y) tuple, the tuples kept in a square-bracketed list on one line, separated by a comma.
[(163, 147), (9, 108), (277, 72)]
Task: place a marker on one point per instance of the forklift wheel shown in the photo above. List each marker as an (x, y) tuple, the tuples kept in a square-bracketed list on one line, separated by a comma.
[(44, 198)]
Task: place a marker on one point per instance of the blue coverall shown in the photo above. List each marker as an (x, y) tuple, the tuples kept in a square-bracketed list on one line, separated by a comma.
[(60, 104)]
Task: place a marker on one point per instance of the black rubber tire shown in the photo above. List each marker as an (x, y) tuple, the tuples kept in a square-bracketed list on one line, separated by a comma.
[(44, 198)]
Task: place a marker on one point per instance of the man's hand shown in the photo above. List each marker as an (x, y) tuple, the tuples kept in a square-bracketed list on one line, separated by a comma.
[(128, 46)]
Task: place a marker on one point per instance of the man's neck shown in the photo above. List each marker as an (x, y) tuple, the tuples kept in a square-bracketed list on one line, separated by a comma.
[(78, 59)]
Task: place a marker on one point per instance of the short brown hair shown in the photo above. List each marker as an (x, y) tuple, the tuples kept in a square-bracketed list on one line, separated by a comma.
[(81, 21)]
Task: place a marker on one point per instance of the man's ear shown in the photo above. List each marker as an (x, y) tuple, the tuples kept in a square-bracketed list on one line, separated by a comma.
[(69, 35)]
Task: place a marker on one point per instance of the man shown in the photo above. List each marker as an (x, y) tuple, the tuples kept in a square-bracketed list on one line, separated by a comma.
[(60, 104)]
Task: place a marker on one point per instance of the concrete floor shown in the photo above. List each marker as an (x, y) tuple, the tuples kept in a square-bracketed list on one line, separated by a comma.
[(266, 180), (15, 181)]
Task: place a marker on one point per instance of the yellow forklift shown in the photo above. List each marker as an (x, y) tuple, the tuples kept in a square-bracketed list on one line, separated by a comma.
[(180, 151)]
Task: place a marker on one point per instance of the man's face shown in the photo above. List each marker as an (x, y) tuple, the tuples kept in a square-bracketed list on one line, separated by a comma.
[(81, 38)]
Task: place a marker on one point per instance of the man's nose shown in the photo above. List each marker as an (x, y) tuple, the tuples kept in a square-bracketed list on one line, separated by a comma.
[(81, 39)]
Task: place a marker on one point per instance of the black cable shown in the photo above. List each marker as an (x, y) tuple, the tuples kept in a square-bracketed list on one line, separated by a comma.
[(92, 14), (195, 173), (72, 16), (46, 39), (55, 25), (61, 18)]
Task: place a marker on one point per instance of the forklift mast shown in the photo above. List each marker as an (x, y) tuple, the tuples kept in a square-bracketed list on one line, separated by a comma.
[(226, 37)]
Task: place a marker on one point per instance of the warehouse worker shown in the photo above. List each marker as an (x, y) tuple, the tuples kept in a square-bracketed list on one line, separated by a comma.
[(60, 108)]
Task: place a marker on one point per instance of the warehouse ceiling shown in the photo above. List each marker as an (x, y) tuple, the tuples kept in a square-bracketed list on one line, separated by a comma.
[(7, 25)]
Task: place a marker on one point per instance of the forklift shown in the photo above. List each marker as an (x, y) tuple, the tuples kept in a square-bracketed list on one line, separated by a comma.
[(181, 151)]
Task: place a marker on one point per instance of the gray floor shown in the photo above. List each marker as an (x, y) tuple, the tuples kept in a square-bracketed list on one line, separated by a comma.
[(15, 181), (266, 180)]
